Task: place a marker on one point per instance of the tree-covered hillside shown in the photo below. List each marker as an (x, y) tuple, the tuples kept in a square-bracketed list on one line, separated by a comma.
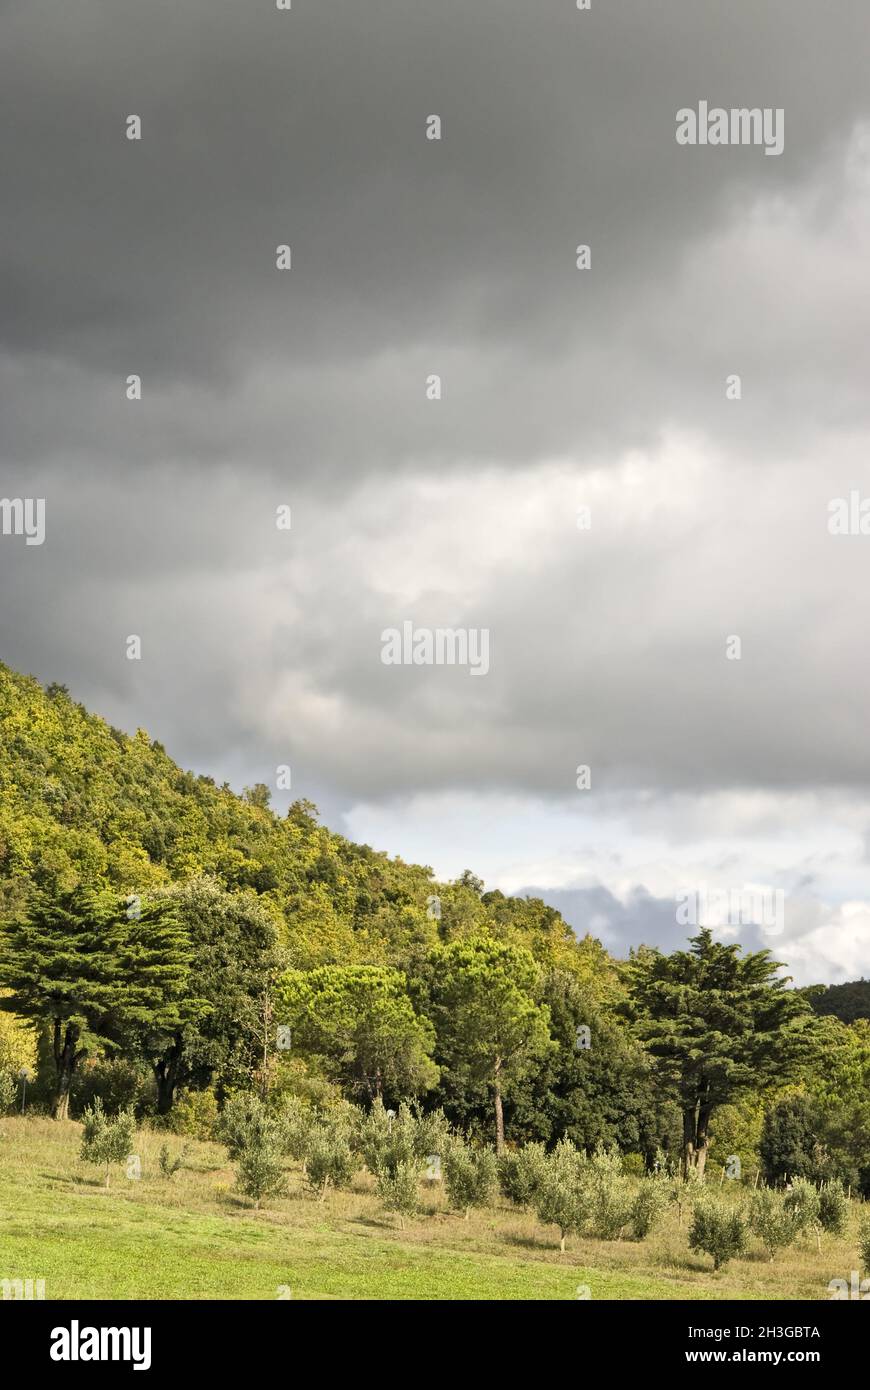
[(84, 806), (163, 939)]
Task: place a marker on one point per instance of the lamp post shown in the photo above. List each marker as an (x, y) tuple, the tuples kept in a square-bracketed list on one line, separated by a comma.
[(23, 1077)]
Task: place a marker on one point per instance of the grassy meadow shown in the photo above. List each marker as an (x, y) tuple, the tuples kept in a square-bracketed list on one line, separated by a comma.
[(193, 1236)]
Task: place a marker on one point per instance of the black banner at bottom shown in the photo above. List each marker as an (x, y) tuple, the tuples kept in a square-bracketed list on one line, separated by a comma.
[(75, 1339)]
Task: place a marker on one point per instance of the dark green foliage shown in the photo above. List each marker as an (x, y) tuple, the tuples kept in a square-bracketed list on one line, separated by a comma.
[(846, 1002), (606, 1094), (81, 963), (361, 1020), (791, 1144), (484, 999), (120, 1082), (216, 1036)]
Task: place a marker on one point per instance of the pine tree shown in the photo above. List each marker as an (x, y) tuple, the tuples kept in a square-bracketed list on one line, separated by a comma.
[(95, 974), (722, 1024)]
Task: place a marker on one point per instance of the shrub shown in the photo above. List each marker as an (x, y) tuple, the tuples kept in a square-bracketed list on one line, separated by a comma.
[(562, 1195), (330, 1161), (245, 1122), (195, 1115), (520, 1173), (399, 1190), (259, 1170), (633, 1165), (833, 1208), (802, 1201), (776, 1223), (8, 1091), (610, 1198), (470, 1176), (106, 1140), (170, 1166), (717, 1231), (297, 1122), (255, 1137), (383, 1140), (410, 1140), (864, 1244), (119, 1083), (432, 1134), (650, 1201)]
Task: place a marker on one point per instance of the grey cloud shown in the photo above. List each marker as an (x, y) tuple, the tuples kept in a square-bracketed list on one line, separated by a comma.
[(412, 257)]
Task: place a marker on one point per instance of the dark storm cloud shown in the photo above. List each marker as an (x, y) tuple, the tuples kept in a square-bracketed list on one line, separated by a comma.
[(307, 387), (409, 256)]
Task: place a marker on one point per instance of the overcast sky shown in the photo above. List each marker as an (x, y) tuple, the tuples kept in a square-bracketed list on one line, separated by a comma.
[(602, 388)]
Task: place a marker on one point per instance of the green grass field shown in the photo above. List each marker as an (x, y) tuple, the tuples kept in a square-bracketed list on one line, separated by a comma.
[(193, 1237)]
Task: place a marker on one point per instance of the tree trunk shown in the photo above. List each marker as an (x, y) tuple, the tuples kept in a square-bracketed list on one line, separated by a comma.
[(166, 1071), (702, 1143), (499, 1110), (65, 1058), (696, 1139), (688, 1140)]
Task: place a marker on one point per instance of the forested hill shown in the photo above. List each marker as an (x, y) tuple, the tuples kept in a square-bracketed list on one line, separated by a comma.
[(82, 802), (848, 1001), (392, 986)]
